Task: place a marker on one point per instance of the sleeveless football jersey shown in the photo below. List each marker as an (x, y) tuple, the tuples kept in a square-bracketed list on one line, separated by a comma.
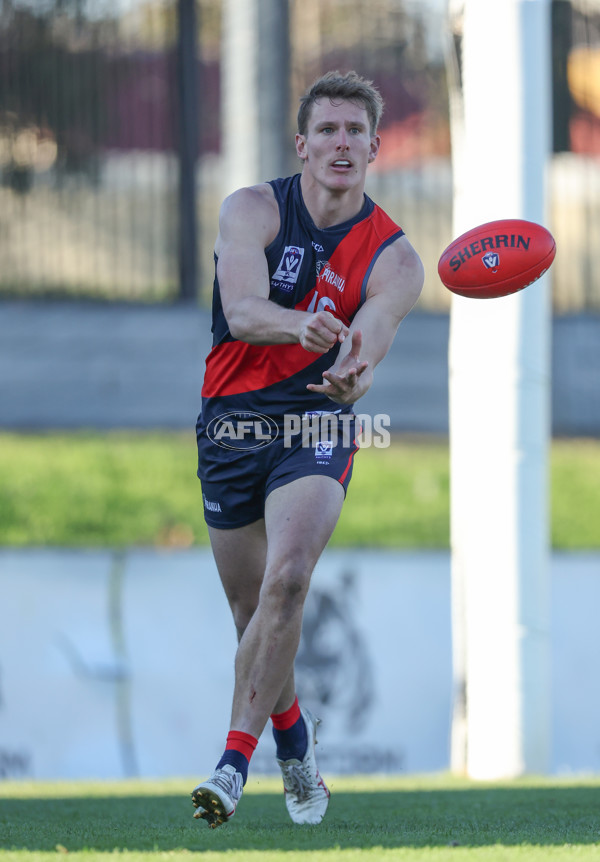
[(310, 269)]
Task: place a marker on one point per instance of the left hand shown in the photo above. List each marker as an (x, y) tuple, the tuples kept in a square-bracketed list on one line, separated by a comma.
[(343, 383)]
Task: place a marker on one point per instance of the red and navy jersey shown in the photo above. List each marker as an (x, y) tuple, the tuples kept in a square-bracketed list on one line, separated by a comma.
[(310, 269)]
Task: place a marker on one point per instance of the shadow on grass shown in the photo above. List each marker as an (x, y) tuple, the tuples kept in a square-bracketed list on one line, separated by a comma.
[(461, 817)]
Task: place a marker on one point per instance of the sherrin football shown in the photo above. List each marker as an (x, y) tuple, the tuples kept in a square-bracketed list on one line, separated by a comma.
[(497, 258)]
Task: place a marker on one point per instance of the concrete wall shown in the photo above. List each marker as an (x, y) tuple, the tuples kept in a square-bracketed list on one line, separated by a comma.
[(116, 684), (107, 366)]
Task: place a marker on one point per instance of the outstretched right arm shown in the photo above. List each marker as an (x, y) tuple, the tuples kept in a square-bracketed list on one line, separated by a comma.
[(248, 222)]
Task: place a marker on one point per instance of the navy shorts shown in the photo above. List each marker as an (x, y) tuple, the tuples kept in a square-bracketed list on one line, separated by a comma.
[(236, 482)]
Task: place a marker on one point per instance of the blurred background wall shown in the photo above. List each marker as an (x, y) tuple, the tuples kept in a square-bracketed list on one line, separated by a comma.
[(122, 126)]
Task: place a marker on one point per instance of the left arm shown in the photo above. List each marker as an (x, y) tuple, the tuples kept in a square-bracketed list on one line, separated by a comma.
[(394, 287)]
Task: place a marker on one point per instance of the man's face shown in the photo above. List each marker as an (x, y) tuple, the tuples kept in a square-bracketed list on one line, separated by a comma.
[(338, 144)]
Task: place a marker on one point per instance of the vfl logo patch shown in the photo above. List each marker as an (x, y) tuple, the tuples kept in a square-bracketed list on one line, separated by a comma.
[(324, 449), (491, 260), (289, 265)]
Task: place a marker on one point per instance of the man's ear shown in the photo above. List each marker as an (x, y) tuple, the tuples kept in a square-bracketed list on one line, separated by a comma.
[(301, 147), (374, 149)]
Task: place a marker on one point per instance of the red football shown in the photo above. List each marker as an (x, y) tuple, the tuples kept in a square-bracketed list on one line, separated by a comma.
[(497, 258)]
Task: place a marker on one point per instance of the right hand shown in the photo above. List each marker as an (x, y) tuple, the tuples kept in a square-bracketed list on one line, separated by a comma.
[(320, 331)]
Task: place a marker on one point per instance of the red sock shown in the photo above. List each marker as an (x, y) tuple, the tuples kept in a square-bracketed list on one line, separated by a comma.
[(284, 720), (245, 743), (238, 751)]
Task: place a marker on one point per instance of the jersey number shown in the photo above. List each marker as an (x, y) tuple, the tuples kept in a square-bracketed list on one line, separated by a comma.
[(321, 305)]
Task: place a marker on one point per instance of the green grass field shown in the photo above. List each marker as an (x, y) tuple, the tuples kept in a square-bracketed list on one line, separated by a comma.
[(127, 489), (421, 818), (140, 489)]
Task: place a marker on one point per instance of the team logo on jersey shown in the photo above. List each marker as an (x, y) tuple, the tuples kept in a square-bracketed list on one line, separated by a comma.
[(289, 267)]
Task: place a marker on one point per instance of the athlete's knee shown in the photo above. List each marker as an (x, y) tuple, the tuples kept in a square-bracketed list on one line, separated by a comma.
[(286, 585), (288, 581)]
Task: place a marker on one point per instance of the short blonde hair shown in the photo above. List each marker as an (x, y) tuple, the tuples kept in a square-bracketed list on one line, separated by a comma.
[(334, 86)]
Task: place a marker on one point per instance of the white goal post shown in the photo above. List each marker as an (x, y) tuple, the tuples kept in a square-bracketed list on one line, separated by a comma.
[(499, 399)]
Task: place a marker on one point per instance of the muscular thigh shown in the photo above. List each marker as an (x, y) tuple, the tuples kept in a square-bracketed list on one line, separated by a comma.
[(300, 517)]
